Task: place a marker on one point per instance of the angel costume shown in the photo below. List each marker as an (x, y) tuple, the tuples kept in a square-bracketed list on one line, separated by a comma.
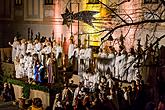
[(88, 56), (14, 48), (70, 50), (131, 70), (29, 48)]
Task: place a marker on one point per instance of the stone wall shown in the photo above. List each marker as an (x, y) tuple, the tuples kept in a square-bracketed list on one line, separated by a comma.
[(44, 96)]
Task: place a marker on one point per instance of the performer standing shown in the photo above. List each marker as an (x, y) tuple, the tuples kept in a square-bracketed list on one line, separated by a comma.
[(37, 48), (39, 72), (111, 56), (65, 50), (59, 55), (130, 66), (14, 48), (29, 47), (23, 47), (50, 68), (70, 50)]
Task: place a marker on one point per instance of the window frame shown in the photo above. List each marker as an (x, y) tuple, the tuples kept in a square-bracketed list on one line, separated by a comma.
[(48, 2), (150, 1), (18, 2)]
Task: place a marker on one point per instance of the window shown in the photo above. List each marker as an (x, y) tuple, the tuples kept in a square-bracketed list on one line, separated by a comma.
[(48, 2), (150, 1), (93, 1), (18, 2)]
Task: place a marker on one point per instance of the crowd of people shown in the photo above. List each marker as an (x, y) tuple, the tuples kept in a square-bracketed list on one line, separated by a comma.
[(100, 76), (133, 96), (41, 58)]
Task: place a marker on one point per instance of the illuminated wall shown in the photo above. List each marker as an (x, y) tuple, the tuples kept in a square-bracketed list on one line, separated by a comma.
[(94, 39)]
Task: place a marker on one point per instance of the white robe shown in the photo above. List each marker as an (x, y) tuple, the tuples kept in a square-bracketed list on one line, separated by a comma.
[(131, 69), (76, 51), (29, 48), (23, 49), (26, 65), (58, 51), (17, 73), (88, 56), (18, 52), (81, 67), (20, 69), (82, 54), (70, 50), (48, 50), (117, 62), (37, 48), (30, 67), (111, 56), (122, 66), (14, 50)]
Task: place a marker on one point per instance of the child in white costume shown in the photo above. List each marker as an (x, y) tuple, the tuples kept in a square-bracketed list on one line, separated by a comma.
[(21, 67), (26, 64), (37, 47), (88, 56), (30, 66), (23, 47), (29, 47), (16, 64)]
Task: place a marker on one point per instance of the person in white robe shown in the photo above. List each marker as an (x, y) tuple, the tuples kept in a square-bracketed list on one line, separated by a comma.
[(23, 47), (88, 56), (58, 55), (81, 62), (16, 66), (76, 57), (58, 50), (37, 48), (70, 50), (46, 50), (130, 66), (103, 57), (21, 67), (30, 67), (86, 79), (29, 47), (99, 59), (111, 57), (14, 48), (26, 64), (18, 50), (122, 65)]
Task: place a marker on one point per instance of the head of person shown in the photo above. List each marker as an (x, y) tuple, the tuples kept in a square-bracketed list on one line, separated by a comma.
[(15, 38), (36, 41)]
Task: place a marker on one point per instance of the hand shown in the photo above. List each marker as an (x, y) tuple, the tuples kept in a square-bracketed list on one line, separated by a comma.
[(9, 43)]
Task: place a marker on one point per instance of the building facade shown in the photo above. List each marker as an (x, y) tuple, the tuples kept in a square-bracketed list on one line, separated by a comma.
[(44, 16)]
